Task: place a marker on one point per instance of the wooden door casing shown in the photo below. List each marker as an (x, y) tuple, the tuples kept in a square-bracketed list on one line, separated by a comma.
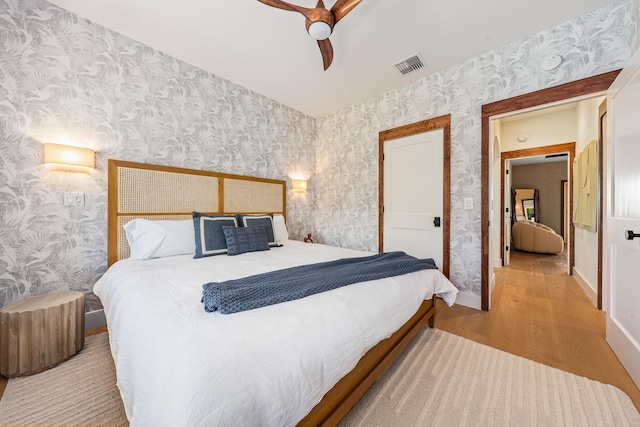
[(442, 122)]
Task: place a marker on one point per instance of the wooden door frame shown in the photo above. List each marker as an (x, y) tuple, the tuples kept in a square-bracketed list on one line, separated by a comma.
[(570, 148), (587, 86), (563, 231), (602, 112), (444, 123)]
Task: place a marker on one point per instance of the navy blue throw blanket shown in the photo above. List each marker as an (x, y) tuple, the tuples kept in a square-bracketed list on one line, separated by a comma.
[(289, 284)]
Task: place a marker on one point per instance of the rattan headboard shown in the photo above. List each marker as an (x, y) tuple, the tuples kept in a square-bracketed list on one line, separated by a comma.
[(140, 190)]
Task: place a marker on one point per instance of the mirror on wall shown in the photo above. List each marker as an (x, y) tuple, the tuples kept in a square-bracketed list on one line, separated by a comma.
[(526, 204), (529, 208)]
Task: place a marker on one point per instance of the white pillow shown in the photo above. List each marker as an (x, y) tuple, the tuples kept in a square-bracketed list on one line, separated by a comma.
[(280, 229), (162, 238)]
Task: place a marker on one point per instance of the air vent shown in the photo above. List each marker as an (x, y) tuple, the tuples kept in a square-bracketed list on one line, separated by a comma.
[(410, 64)]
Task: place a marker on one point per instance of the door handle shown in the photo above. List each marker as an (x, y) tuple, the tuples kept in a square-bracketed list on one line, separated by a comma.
[(630, 235)]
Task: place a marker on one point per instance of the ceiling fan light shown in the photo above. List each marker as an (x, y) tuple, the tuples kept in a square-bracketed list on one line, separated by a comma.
[(319, 30)]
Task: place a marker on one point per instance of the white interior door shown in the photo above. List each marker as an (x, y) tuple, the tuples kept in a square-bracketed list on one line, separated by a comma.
[(621, 253), (508, 208), (413, 199)]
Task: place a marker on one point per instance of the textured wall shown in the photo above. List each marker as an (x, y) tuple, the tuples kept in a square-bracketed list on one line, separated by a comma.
[(64, 79), (347, 158)]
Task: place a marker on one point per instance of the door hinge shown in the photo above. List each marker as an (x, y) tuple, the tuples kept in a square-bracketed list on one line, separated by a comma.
[(507, 210), (507, 248), (383, 157), (507, 171)]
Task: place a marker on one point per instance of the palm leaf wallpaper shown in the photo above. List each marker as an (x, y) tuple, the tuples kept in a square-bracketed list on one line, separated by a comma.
[(64, 79), (590, 45)]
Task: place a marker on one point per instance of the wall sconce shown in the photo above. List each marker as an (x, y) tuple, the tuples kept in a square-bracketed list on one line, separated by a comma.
[(68, 158), (299, 185)]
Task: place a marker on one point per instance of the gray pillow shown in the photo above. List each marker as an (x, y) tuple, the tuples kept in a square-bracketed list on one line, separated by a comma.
[(265, 220), (209, 237), (245, 239)]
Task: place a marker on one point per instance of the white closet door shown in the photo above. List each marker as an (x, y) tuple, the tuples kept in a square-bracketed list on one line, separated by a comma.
[(413, 199)]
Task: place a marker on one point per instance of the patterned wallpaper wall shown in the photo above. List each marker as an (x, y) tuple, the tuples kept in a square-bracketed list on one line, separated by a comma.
[(64, 79), (346, 178), (635, 11)]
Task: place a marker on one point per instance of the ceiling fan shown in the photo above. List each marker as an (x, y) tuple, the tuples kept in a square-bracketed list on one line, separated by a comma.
[(319, 21)]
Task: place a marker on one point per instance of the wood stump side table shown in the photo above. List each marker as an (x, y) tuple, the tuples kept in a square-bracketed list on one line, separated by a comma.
[(40, 332)]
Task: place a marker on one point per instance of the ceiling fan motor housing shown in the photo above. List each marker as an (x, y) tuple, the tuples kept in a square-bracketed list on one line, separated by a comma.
[(320, 23)]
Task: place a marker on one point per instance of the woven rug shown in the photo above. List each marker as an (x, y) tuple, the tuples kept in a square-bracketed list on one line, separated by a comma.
[(441, 380), (79, 392), (445, 380)]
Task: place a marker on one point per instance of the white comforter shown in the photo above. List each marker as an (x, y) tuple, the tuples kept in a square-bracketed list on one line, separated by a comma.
[(180, 366)]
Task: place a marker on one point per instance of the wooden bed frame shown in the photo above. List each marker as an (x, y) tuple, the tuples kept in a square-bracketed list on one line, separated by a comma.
[(346, 393), (139, 190)]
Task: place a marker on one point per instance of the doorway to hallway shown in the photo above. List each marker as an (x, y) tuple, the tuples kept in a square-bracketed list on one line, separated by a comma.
[(547, 179), (561, 93)]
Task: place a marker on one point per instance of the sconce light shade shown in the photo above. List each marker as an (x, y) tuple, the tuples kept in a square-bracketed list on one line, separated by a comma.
[(299, 185), (68, 158)]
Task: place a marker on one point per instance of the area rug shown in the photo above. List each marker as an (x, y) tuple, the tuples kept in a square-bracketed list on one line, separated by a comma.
[(446, 380), (440, 380), (79, 392)]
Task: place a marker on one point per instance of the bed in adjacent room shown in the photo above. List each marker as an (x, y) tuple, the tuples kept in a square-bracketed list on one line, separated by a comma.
[(304, 361)]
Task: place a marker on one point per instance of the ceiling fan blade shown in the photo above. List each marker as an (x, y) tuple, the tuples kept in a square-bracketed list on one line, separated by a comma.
[(280, 4), (342, 7), (327, 52)]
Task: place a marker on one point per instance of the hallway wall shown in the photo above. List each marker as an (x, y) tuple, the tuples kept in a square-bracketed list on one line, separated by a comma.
[(586, 242)]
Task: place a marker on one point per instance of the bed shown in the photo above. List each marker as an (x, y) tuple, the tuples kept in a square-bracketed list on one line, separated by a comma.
[(302, 362)]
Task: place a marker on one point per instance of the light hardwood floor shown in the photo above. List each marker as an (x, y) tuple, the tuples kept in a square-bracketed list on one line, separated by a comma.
[(540, 313)]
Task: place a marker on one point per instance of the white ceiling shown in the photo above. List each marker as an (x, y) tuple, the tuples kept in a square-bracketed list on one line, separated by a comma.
[(537, 159), (268, 51), (539, 111)]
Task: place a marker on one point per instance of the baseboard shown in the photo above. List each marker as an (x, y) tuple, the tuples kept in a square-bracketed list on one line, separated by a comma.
[(625, 348), (591, 294), (469, 300), (94, 319), (492, 282)]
